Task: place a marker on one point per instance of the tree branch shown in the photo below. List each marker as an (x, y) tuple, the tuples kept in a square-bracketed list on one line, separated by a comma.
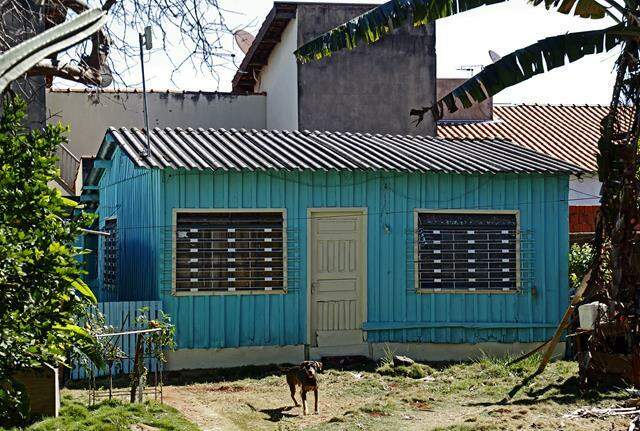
[(82, 75)]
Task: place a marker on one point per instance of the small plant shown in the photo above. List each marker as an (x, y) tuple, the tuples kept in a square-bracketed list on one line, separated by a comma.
[(157, 341), (580, 257), (164, 339)]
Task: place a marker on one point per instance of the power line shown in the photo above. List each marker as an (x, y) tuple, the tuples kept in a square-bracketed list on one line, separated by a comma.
[(366, 214)]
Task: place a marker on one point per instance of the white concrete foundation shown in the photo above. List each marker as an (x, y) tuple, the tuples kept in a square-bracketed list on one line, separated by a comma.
[(428, 352), (193, 359), (363, 349)]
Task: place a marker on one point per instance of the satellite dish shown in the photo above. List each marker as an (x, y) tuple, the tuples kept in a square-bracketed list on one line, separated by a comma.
[(244, 39), (494, 56), (106, 75)]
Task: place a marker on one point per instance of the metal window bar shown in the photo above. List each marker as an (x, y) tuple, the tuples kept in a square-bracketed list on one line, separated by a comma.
[(111, 256), (230, 252), (463, 266)]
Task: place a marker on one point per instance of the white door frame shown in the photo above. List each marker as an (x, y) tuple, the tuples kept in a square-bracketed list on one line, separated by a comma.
[(364, 212)]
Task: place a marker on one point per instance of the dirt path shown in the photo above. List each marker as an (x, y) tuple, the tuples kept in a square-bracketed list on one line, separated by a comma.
[(461, 397), (203, 414)]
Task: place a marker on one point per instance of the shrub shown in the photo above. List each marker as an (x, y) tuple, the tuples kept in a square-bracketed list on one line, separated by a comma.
[(43, 298)]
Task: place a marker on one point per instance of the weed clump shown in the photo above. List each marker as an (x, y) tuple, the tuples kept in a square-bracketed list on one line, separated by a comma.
[(413, 371)]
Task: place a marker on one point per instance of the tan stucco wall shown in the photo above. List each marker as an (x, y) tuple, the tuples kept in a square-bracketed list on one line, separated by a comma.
[(477, 112), (89, 114), (279, 79)]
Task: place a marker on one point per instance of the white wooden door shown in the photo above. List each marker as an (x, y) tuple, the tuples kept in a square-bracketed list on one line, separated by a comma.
[(337, 277)]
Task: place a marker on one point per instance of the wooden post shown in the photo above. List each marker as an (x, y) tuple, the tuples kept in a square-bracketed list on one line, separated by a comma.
[(564, 322), (110, 380), (142, 375), (137, 367)]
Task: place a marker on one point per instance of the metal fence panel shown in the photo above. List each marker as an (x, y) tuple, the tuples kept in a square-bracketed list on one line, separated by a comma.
[(122, 315)]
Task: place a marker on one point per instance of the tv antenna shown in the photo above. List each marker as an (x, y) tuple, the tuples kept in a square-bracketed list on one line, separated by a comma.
[(146, 43), (471, 68)]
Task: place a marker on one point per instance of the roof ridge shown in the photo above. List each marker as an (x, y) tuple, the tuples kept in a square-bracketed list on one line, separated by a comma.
[(543, 105)]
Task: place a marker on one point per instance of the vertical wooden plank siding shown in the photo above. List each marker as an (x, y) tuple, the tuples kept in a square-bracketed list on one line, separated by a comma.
[(129, 194), (395, 312)]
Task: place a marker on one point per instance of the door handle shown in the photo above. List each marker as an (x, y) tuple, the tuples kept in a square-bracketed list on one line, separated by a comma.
[(314, 287)]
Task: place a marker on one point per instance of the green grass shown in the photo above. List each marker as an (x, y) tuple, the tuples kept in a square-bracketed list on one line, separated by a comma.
[(113, 416)]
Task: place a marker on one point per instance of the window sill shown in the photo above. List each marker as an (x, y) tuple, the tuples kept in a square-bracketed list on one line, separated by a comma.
[(231, 293), (469, 292)]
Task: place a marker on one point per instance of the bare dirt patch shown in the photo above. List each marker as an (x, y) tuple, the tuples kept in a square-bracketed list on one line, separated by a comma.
[(186, 400), (458, 397)]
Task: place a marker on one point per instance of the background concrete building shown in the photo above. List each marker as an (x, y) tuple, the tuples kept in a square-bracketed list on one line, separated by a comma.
[(371, 89), (89, 114)]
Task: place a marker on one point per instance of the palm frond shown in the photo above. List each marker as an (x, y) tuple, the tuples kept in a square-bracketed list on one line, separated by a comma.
[(373, 25), (22, 57), (518, 66), (582, 8)]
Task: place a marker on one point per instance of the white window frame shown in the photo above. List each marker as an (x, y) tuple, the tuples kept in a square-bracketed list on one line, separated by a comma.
[(174, 232), (416, 255)]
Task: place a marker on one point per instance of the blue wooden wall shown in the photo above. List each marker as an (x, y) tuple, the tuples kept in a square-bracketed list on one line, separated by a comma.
[(144, 200), (132, 195)]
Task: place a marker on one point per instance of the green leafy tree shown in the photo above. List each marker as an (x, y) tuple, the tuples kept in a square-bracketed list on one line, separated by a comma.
[(616, 248), (43, 299)]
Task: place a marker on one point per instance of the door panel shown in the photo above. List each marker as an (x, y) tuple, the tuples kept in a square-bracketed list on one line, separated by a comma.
[(337, 264)]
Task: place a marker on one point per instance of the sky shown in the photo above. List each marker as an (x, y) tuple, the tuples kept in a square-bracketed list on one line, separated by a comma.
[(462, 41)]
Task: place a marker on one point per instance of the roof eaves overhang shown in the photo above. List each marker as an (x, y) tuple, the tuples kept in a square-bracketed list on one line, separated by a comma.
[(268, 37), (90, 192)]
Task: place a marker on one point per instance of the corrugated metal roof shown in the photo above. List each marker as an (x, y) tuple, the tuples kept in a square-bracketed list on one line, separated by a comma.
[(567, 132), (221, 149)]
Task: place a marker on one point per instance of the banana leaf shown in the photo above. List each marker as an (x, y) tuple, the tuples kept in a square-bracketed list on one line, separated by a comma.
[(518, 66), (378, 22), (581, 8)]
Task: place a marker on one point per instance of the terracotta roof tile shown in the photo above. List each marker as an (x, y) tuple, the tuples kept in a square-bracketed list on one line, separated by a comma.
[(568, 132)]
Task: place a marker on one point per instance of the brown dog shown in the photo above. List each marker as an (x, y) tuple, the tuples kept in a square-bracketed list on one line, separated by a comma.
[(305, 376)]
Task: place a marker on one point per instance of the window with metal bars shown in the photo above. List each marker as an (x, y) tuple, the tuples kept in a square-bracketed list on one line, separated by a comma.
[(111, 255), (467, 252), (230, 251)]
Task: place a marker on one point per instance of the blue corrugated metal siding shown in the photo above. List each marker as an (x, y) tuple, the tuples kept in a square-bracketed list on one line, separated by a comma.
[(131, 195), (395, 312)]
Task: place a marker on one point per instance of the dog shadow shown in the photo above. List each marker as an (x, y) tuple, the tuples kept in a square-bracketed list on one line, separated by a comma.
[(276, 415)]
